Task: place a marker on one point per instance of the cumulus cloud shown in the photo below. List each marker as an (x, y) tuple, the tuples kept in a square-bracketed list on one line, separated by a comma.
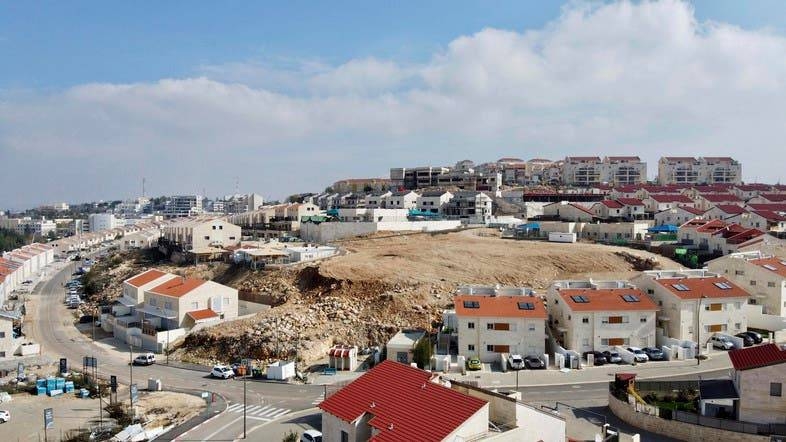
[(644, 77)]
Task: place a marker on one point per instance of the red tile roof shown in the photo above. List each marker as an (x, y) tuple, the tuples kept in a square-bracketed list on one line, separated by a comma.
[(674, 159), (769, 215), (630, 201), (145, 277), (624, 158), (752, 186), (404, 404), (775, 207), (702, 287), (731, 209), (773, 264), (602, 300), (692, 210), (583, 159), (720, 197), (500, 306), (706, 226), (774, 197), (611, 204), (198, 315), (177, 287), (759, 356), (671, 198)]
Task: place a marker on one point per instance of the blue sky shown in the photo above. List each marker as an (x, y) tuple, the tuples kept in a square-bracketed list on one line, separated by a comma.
[(90, 88)]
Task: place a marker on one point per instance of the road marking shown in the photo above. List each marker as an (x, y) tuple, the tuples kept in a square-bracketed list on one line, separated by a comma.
[(262, 411), (234, 407), (251, 409), (281, 413), (268, 413), (318, 400), (224, 428)]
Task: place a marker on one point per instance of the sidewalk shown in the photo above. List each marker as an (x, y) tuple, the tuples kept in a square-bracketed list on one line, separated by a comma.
[(542, 378)]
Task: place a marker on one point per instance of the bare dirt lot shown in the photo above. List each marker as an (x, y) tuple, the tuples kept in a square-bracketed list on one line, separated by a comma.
[(388, 282)]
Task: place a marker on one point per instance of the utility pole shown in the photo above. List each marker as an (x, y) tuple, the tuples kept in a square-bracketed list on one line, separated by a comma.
[(244, 402), (100, 408)]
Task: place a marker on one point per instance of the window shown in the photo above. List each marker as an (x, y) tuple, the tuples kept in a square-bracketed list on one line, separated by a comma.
[(214, 227), (770, 284), (630, 298), (585, 320), (714, 328), (344, 436), (471, 304), (504, 326), (737, 326), (650, 291), (470, 325), (168, 305), (681, 287), (643, 319), (614, 341), (753, 282), (471, 347), (776, 389), (739, 272), (580, 299), (738, 305), (489, 348), (526, 306), (490, 326), (2, 354), (227, 301), (207, 237), (195, 305), (532, 327), (220, 227), (153, 302), (615, 320), (231, 237)]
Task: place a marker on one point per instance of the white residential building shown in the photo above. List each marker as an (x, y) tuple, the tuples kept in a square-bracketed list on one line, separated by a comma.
[(491, 325), (199, 235), (598, 315), (659, 202), (568, 211), (102, 221), (677, 216), (614, 170), (180, 206), (470, 207), (405, 199), (434, 201), (763, 276), (695, 298), (707, 170)]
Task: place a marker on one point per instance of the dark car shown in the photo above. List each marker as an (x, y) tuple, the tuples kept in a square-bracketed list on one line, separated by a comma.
[(756, 336), (599, 358), (534, 363), (654, 353), (86, 319), (612, 357), (747, 340)]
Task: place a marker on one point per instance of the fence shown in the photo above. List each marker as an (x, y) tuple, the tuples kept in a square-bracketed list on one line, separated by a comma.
[(666, 386), (730, 425)]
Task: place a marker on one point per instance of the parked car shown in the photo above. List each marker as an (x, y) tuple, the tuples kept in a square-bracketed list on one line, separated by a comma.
[(722, 342), (86, 319), (612, 357), (28, 281), (516, 362), (145, 359), (5, 416), (638, 354), (654, 353), (747, 340), (311, 436), (599, 358), (222, 371), (756, 336), (473, 363), (534, 363)]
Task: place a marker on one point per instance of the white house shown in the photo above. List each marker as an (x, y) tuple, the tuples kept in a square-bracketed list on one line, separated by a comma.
[(598, 315), (723, 211), (759, 375), (434, 201), (707, 201), (401, 346), (658, 202), (567, 211), (695, 298), (763, 276), (406, 199), (765, 220), (490, 325), (677, 216)]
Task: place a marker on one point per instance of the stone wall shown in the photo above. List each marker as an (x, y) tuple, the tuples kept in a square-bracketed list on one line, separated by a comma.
[(676, 429)]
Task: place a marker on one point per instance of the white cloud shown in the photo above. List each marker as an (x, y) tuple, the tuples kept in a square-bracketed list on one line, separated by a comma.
[(642, 77)]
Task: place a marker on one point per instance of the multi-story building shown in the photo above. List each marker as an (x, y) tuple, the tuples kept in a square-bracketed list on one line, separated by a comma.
[(759, 376), (691, 299), (102, 221), (416, 177), (238, 203), (470, 207), (598, 315), (180, 206), (404, 199), (705, 170), (763, 276), (582, 171), (197, 235), (357, 185), (614, 170), (621, 170), (490, 325)]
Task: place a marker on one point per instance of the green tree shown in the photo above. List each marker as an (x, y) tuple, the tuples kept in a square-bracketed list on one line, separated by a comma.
[(10, 240), (422, 352)]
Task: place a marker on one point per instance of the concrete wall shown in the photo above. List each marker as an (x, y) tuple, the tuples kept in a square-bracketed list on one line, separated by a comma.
[(757, 319), (327, 232), (676, 429), (8, 344)]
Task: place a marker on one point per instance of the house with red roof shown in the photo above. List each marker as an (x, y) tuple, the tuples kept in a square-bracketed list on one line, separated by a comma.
[(599, 315), (764, 277), (752, 190), (608, 209), (658, 202), (768, 198), (397, 402), (678, 215), (760, 376), (724, 211), (706, 201), (691, 299), (489, 325), (157, 307), (765, 220), (567, 211)]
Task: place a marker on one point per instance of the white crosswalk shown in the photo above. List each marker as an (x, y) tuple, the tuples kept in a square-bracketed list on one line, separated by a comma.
[(259, 412), (319, 399)]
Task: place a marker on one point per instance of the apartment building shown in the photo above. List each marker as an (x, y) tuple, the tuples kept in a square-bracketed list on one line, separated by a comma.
[(706, 170), (490, 325), (416, 177), (181, 206), (598, 315), (470, 207), (238, 203), (759, 376), (405, 199), (103, 221), (357, 185), (613, 170), (763, 276), (183, 302), (691, 299), (197, 235), (434, 201)]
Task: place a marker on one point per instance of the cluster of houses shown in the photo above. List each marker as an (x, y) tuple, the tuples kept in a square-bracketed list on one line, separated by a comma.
[(142, 235), (156, 308), (656, 308)]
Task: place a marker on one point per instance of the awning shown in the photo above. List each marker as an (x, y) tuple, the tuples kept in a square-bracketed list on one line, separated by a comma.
[(161, 313), (203, 315), (126, 302), (665, 228)]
